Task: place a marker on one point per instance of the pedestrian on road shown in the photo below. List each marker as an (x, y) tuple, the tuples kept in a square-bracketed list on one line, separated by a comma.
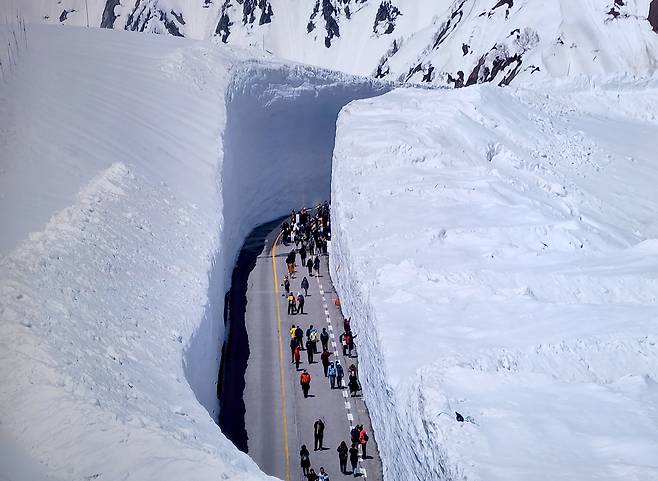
[(302, 254), (363, 440), (299, 335), (343, 454), (331, 372), (324, 339), (354, 434), (291, 304), (350, 343), (347, 324), (316, 266), (353, 384), (312, 476), (293, 346), (323, 475), (297, 356), (300, 303), (286, 285), (315, 338), (304, 459), (309, 351), (324, 357), (309, 266), (318, 434), (343, 343), (339, 374), (354, 458), (305, 286), (305, 381)]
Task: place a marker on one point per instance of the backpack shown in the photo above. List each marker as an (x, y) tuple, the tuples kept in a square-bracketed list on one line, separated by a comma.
[(314, 335)]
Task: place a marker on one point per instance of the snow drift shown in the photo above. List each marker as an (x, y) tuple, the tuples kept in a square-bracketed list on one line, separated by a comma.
[(497, 252), (127, 183), (442, 42)]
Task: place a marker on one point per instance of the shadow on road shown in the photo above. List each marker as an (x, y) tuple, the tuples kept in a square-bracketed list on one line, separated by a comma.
[(235, 352)]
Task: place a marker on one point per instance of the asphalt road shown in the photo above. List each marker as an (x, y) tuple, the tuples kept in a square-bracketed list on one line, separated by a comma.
[(263, 410)]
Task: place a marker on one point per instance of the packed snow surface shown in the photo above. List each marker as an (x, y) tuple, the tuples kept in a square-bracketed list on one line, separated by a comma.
[(442, 42), (497, 251), (129, 176)]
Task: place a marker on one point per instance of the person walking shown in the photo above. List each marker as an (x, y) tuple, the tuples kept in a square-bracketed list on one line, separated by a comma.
[(343, 454), (312, 476), (291, 304), (310, 350), (297, 356), (343, 343), (299, 335), (300, 303), (331, 372), (347, 324), (318, 434), (324, 339), (354, 434), (305, 381), (304, 459), (314, 337), (354, 458), (316, 266), (286, 285), (353, 384), (293, 347), (350, 342), (363, 441), (302, 254), (324, 357), (305, 286), (309, 266), (323, 476), (339, 374)]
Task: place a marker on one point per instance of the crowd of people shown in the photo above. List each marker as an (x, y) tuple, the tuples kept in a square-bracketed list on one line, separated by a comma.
[(309, 233)]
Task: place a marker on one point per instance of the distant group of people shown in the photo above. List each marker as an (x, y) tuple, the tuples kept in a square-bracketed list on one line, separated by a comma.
[(310, 233)]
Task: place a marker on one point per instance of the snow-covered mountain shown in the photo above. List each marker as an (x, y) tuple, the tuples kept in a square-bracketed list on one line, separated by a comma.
[(441, 42)]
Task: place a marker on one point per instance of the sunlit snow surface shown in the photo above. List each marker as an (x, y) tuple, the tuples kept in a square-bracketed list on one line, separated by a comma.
[(498, 253)]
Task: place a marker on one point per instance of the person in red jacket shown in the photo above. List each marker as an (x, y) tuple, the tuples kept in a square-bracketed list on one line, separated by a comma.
[(297, 355), (305, 381), (363, 441)]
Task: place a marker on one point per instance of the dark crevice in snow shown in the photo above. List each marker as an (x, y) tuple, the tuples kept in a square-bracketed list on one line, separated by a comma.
[(109, 17)]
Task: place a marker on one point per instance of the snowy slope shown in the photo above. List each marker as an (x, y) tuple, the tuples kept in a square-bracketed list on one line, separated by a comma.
[(497, 251), (120, 156), (408, 40)]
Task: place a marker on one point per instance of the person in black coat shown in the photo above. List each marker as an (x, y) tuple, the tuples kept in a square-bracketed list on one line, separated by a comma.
[(309, 266), (299, 335), (343, 454), (318, 434), (304, 459), (354, 458), (310, 349), (305, 285), (324, 339)]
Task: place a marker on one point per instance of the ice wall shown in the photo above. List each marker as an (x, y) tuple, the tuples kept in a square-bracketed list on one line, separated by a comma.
[(121, 154), (496, 249)]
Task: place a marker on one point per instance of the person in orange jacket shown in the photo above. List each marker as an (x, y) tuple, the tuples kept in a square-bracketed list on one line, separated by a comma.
[(297, 355), (305, 381)]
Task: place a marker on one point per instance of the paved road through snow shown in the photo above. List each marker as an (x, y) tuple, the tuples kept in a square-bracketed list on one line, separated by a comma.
[(275, 419)]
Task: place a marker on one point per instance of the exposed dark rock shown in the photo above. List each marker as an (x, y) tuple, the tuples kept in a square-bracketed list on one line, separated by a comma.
[(65, 14), (108, 19), (428, 77), (385, 18), (179, 17), (653, 15), (449, 25), (465, 48), (459, 81), (331, 25)]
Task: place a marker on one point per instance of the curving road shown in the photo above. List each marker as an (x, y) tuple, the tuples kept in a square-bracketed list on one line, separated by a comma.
[(263, 410)]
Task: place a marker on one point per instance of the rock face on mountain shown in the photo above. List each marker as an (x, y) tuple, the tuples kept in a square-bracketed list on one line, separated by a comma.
[(444, 42)]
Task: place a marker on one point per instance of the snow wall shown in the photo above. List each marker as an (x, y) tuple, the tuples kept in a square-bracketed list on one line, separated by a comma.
[(121, 154), (498, 249)]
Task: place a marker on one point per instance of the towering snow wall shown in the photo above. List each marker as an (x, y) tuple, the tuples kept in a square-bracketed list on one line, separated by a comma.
[(121, 154), (497, 251), (441, 42)]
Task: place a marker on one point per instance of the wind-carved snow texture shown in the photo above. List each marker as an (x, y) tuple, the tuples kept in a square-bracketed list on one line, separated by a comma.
[(443, 43), (497, 251), (118, 245)]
